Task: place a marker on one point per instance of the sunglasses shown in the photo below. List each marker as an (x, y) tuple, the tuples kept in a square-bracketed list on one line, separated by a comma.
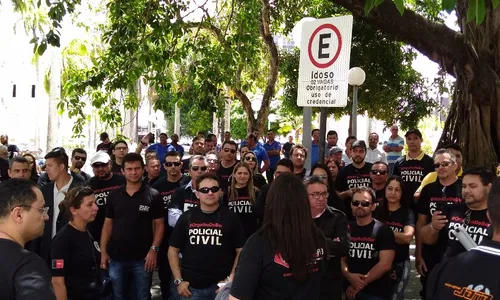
[(378, 172), (206, 190), (229, 150), (170, 164), (98, 166), (356, 203), (323, 176), (196, 168), (80, 158), (443, 164), (212, 161), (248, 158)]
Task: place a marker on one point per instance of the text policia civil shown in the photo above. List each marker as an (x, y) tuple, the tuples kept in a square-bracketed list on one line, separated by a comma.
[(321, 85)]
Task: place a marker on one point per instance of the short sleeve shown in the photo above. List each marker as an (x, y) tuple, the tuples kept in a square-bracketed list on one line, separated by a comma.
[(401, 142), (410, 220), (175, 203), (157, 205), (58, 256), (33, 281), (178, 235), (110, 213), (397, 170), (423, 202), (249, 269), (264, 155), (385, 239), (277, 146)]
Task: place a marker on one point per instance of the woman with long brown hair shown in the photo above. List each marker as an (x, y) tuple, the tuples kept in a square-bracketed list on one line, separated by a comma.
[(240, 197), (33, 166), (251, 159), (284, 258)]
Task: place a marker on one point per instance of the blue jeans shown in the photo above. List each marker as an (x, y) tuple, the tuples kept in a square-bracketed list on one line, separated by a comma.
[(399, 289), (130, 279), (202, 294)]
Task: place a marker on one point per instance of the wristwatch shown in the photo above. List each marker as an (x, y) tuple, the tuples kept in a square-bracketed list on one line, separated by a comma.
[(155, 248), (178, 281)]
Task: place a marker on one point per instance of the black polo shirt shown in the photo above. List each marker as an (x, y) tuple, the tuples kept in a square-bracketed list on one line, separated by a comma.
[(132, 233), (184, 198)]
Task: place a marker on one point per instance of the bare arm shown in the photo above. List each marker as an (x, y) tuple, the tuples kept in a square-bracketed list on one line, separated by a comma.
[(273, 152), (60, 288), (405, 237), (421, 222), (266, 166), (158, 231), (173, 261), (105, 237), (384, 265), (231, 276)]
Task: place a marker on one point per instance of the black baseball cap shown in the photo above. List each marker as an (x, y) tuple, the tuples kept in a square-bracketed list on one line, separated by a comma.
[(359, 143), (414, 131)]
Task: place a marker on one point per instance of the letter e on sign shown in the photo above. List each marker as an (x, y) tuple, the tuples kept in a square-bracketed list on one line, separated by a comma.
[(328, 42)]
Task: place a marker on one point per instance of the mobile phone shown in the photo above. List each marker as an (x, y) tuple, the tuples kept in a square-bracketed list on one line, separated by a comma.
[(444, 208), (151, 138)]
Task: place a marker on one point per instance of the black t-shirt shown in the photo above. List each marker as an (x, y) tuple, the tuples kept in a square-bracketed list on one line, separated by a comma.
[(132, 233), (185, 166), (470, 275), (101, 189), (23, 274), (207, 242), (116, 168), (433, 197), (4, 169), (183, 199), (12, 149), (351, 177), (259, 181), (475, 222), (366, 243), (104, 147), (223, 174), (262, 274), (413, 172), (166, 189), (76, 256), (397, 220), (287, 147), (244, 208)]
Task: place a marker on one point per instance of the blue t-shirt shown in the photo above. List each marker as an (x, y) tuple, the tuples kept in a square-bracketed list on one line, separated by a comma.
[(179, 149), (161, 151), (261, 154), (273, 159), (314, 154)]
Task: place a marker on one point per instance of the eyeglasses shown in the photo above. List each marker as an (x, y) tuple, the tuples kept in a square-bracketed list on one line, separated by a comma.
[(378, 172), (98, 166), (43, 210), (196, 168), (169, 164), (213, 161), (317, 195), (248, 158), (82, 158), (356, 203), (443, 164), (229, 150), (206, 190)]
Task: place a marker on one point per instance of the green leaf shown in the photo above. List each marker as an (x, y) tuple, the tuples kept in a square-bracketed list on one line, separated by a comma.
[(369, 6), (470, 12), (495, 3), (400, 5), (41, 49), (449, 5), (477, 10)]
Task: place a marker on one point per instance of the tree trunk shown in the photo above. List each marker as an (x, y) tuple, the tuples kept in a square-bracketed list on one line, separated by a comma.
[(472, 56), (53, 138)]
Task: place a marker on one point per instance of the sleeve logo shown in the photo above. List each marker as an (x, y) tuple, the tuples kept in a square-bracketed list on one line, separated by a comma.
[(57, 264)]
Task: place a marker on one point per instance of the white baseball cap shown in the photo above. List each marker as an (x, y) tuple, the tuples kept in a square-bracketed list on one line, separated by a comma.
[(100, 157)]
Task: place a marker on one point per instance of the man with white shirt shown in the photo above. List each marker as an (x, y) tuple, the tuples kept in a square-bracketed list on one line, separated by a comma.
[(372, 153), (56, 166)]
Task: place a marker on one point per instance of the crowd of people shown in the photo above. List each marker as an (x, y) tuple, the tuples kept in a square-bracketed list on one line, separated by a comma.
[(248, 220)]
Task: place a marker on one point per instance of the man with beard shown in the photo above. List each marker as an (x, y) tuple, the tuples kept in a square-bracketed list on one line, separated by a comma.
[(198, 148), (331, 141), (78, 159), (470, 214), (379, 174), (11, 148), (434, 204), (153, 170), (354, 175), (371, 252), (132, 233), (103, 182), (228, 156), (166, 187), (298, 155)]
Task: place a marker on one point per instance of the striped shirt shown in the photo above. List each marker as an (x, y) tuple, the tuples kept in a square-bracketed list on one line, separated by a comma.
[(393, 156)]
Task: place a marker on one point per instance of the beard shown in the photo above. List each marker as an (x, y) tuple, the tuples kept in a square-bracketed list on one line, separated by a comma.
[(358, 159)]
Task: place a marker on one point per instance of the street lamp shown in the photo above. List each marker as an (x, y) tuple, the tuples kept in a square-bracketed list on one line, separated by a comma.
[(356, 78)]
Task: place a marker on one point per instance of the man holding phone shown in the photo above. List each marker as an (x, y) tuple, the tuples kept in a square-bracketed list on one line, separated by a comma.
[(433, 214)]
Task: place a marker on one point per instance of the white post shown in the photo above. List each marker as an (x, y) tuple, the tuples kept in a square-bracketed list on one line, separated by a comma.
[(177, 119)]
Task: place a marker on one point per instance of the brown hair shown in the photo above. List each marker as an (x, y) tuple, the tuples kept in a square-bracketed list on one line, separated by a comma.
[(233, 194), (74, 199)]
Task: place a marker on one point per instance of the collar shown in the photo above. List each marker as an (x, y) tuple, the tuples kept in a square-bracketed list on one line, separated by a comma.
[(190, 185), (320, 214), (419, 157), (64, 188), (489, 247)]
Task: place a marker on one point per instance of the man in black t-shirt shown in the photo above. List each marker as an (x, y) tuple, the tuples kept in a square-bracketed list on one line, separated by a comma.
[(434, 203), (298, 155), (184, 197), (23, 274), (379, 174), (287, 147), (472, 274), (227, 163), (197, 148), (106, 143), (119, 149), (471, 214), (371, 252), (103, 182), (153, 169), (210, 238), (132, 232), (166, 187)]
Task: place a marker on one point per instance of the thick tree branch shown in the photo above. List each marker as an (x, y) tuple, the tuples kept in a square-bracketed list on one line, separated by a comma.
[(439, 43)]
